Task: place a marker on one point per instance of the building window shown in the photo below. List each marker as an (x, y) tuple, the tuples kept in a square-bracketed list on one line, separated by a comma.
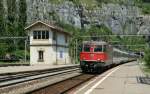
[(35, 35), (47, 35), (61, 54), (40, 56), (66, 38), (41, 34), (54, 36)]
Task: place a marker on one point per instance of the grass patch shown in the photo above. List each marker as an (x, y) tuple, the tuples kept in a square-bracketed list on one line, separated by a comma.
[(14, 63), (145, 69), (146, 8)]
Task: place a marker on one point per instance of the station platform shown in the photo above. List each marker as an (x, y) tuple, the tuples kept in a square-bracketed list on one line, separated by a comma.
[(16, 69), (123, 79)]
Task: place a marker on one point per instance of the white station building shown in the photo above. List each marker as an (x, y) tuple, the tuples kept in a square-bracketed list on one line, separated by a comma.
[(48, 44)]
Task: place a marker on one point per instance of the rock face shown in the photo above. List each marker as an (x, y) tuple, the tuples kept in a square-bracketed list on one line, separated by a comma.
[(44, 10), (144, 25), (37, 10), (121, 19)]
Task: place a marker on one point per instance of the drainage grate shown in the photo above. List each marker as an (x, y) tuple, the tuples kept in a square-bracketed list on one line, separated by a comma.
[(144, 80)]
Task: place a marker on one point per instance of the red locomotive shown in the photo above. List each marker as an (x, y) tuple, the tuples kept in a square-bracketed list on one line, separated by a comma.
[(95, 56), (98, 55)]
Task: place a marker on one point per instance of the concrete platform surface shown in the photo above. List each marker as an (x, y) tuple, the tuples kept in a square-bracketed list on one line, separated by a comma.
[(14, 69), (119, 80)]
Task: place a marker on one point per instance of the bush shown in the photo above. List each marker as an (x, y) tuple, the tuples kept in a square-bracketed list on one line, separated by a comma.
[(21, 54), (147, 57)]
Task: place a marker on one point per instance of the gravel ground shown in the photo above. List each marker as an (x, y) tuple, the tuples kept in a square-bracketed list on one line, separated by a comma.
[(64, 86)]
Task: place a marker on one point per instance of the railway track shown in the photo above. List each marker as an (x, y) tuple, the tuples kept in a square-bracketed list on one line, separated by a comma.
[(64, 86), (12, 78)]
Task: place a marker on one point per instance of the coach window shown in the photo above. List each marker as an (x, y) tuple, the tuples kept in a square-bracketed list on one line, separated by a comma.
[(40, 56), (98, 48)]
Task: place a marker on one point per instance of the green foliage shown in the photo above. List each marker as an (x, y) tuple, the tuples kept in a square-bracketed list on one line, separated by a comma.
[(3, 49), (146, 8), (96, 31), (21, 54), (2, 22), (11, 18), (54, 16), (22, 17), (99, 30), (134, 43), (6, 46), (56, 1), (13, 25), (147, 57)]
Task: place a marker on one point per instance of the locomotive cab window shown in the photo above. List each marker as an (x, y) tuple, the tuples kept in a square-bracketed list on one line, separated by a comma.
[(87, 48), (98, 48)]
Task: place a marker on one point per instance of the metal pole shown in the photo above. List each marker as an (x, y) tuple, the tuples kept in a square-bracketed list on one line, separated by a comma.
[(76, 50), (56, 53), (25, 51)]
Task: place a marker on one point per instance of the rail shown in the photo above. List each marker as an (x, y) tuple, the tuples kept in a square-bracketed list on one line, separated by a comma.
[(15, 78)]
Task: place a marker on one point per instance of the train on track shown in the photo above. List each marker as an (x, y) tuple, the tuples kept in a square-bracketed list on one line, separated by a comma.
[(99, 55)]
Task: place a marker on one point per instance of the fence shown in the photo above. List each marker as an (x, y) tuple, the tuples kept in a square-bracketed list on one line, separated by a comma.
[(14, 50)]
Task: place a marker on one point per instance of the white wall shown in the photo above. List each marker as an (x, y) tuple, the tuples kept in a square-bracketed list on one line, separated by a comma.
[(49, 55), (62, 55)]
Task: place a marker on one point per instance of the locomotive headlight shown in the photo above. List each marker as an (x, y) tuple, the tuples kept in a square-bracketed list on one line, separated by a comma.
[(102, 60), (98, 59)]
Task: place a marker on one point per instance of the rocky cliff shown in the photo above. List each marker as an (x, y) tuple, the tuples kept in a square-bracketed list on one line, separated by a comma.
[(121, 19)]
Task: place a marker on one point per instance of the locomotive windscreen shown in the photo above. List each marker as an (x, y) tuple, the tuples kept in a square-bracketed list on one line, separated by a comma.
[(86, 48), (98, 48)]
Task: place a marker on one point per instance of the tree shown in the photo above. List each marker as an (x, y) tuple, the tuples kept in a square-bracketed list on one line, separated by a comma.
[(22, 17), (2, 28), (96, 31), (2, 20), (11, 25), (147, 57), (11, 18)]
